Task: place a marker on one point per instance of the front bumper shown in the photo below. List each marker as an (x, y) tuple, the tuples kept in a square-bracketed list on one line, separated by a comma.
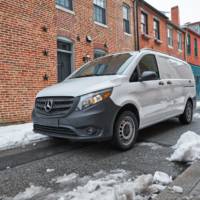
[(94, 123)]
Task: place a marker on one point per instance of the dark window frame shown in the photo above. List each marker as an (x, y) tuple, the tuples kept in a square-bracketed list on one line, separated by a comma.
[(196, 47), (156, 28), (126, 21), (64, 4), (188, 44), (100, 51), (144, 25), (100, 13)]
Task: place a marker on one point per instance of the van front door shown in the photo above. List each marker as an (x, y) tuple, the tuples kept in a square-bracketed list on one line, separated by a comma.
[(149, 93)]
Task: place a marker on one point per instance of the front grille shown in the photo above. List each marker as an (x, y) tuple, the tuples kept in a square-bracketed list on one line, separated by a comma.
[(53, 130), (54, 105)]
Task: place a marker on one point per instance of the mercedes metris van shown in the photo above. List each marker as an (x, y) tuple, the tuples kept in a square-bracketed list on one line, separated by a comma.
[(112, 97)]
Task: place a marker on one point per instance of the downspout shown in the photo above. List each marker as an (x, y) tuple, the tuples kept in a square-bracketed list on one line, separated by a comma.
[(136, 27)]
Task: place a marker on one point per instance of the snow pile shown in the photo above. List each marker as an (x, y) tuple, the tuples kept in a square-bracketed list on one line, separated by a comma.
[(66, 178), (197, 115), (113, 186), (176, 189), (116, 185), (18, 135), (162, 178), (29, 193), (187, 149)]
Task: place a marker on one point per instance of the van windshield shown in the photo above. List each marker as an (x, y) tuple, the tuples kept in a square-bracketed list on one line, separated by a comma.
[(109, 65)]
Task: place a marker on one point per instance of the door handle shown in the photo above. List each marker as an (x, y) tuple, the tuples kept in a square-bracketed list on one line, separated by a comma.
[(161, 83), (169, 82)]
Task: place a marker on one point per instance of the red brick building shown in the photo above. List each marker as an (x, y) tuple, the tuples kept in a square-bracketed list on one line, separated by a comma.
[(156, 31), (41, 42), (27, 53)]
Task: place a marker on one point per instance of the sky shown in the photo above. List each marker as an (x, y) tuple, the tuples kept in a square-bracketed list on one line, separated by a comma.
[(189, 9)]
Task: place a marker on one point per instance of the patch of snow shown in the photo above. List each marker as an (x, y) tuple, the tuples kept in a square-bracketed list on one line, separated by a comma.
[(162, 178), (50, 170), (197, 115), (66, 178), (177, 189), (29, 193), (18, 135), (198, 104), (153, 146), (187, 148)]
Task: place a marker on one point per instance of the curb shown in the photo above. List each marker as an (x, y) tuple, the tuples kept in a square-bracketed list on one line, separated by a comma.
[(189, 180)]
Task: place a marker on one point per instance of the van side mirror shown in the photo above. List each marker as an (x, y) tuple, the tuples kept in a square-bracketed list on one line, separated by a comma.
[(148, 75)]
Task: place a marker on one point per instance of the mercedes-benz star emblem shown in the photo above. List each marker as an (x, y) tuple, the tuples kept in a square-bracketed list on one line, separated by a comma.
[(48, 105)]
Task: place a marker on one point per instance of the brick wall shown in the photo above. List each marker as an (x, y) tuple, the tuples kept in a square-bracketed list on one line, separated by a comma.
[(81, 24), (22, 63), (150, 42)]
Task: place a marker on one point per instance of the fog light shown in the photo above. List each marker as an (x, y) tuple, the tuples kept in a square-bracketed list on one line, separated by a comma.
[(91, 131)]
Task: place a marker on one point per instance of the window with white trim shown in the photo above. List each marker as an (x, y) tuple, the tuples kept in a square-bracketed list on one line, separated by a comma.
[(126, 18), (100, 11), (180, 41), (144, 23), (65, 4), (170, 36), (156, 28)]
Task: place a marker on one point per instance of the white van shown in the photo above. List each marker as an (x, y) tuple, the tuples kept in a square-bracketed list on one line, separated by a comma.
[(112, 97)]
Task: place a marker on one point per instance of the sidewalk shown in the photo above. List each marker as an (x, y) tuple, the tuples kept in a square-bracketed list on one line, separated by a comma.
[(189, 181)]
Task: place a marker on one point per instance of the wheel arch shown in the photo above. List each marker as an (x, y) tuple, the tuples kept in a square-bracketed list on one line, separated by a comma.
[(128, 107)]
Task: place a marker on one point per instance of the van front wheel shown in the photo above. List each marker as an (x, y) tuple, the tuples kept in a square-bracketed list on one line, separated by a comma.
[(125, 131), (187, 116)]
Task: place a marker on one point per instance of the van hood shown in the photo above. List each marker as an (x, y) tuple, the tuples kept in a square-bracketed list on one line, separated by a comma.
[(80, 86)]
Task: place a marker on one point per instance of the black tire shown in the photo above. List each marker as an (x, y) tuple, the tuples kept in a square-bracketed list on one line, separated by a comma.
[(187, 116), (125, 131)]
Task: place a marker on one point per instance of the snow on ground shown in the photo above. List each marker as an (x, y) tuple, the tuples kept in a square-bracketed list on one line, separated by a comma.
[(187, 148), (153, 146), (115, 185), (198, 104), (197, 115), (29, 193), (18, 135)]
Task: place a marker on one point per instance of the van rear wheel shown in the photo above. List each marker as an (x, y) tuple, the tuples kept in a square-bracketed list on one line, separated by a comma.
[(187, 116), (125, 131)]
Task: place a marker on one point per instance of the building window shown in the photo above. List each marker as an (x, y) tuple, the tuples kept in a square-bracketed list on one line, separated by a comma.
[(65, 4), (195, 47), (156, 28), (144, 23), (99, 53), (170, 36), (180, 41), (126, 18), (100, 11), (188, 44)]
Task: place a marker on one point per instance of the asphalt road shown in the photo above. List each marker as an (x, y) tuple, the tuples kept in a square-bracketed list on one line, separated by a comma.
[(20, 167)]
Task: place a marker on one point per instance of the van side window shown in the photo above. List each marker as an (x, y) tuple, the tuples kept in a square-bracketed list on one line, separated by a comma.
[(148, 63)]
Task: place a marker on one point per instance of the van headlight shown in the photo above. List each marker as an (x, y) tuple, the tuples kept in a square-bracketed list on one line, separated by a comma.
[(93, 98)]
